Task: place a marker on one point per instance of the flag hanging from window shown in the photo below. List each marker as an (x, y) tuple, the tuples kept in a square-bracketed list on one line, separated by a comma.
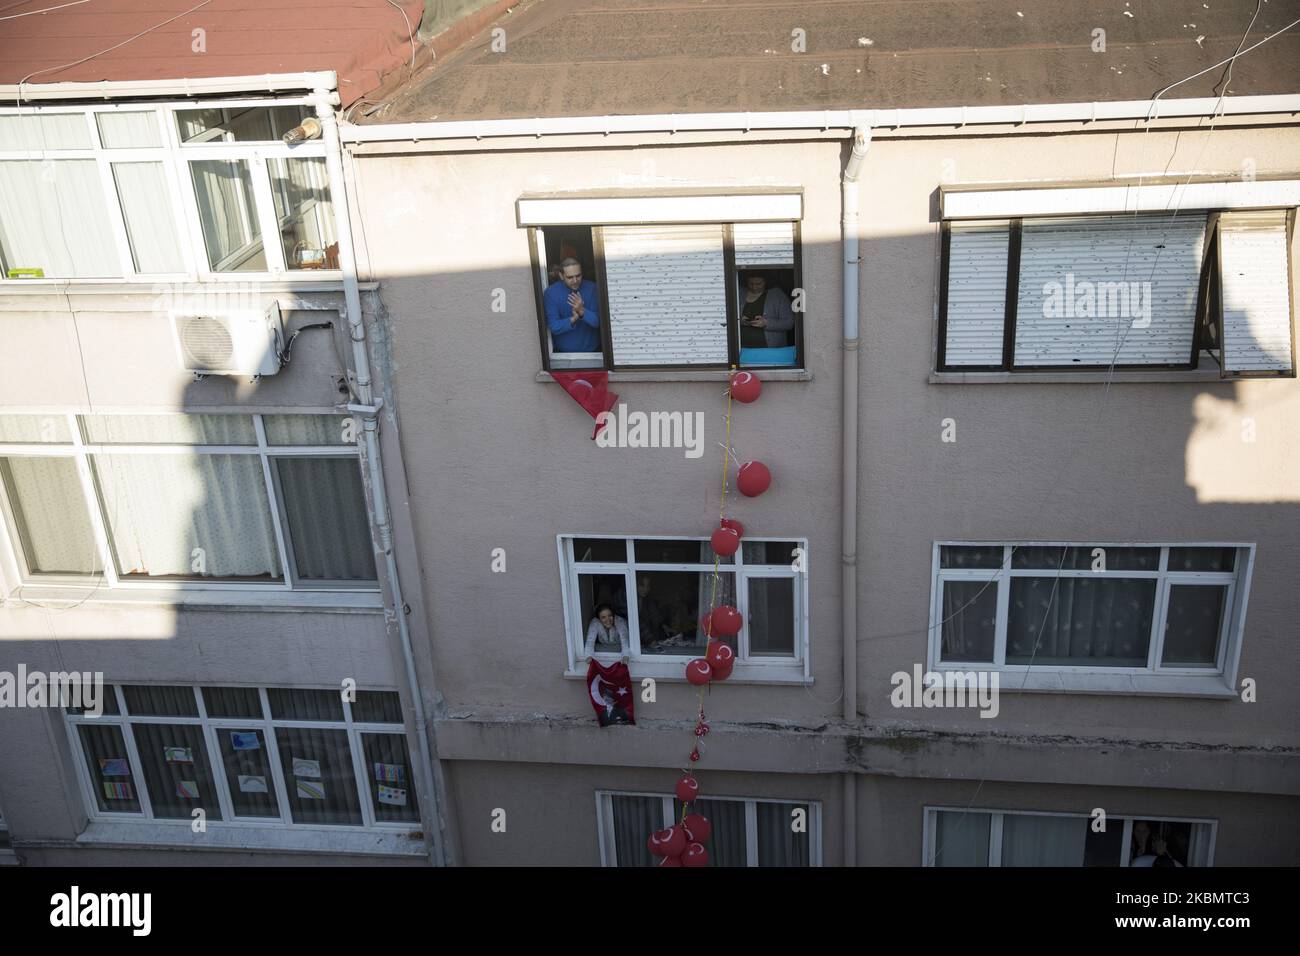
[(591, 391), (610, 690)]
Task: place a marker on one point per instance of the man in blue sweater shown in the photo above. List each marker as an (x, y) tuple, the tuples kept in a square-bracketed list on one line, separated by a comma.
[(571, 310)]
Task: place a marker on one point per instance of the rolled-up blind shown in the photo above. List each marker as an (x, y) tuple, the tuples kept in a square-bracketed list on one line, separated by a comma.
[(977, 294), (1256, 293), (763, 244), (667, 294)]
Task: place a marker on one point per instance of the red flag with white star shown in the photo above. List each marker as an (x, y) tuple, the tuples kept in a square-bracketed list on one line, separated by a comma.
[(591, 391), (609, 689)]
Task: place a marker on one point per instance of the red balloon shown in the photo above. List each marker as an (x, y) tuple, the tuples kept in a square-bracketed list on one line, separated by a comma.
[(725, 541), (734, 525), (753, 479), (723, 671), (671, 861), (726, 620), (745, 387), (698, 672), (695, 855), (720, 655), (669, 842), (697, 828), (688, 788)]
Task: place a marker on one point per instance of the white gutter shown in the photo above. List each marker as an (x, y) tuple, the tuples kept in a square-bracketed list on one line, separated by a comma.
[(955, 116), (113, 89)]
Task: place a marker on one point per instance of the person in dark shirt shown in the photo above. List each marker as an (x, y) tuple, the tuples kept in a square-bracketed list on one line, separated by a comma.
[(766, 315)]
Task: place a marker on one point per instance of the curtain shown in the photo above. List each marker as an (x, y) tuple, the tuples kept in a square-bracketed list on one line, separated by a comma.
[(1097, 621), (778, 843), (32, 131), (294, 704), (390, 777), (1193, 623), (110, 768), (34, 429), (318, 775), (328, 524), (224, 191), (149, 217), (129, 130), (635, 818), (300, 188), (56, 219), (175, 763), (310, 430), (169, 429), (248, 771), (961, 839), (53, 523), (162, 507), (232, 702), (1043, 841), (969, 612), (160, 700), (727, 837), (377, 707)]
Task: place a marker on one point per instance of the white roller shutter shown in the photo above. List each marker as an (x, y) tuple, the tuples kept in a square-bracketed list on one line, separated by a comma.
[(977, 293), (667, 294), (763, 244), (1091, 286), (1256, 293)]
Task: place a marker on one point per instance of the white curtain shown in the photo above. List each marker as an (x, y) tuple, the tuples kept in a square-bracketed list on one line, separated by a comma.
[(224, 190), (129, 130), (1043, 841), (169, 429), (778, 842), (30, 131), (55, 528), (307, 429), (961, 838), (150, 220), (634, 819), (55, 219)]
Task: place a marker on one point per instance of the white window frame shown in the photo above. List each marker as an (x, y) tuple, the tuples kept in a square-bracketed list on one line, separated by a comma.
[(210, 727), (175, 157), (82, 451), (605, 822), (795, 668), (1154, 678), (931, 830)]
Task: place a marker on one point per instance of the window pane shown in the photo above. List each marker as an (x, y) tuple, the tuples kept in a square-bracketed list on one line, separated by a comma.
[(136, 129), (169, 429), (1042, 840), (1202, 559), (1098, 622), (1193, 625), (176, 770), (160, 700), (55, 219), (310, 429), (328, 526), (297, 704), (778, 843), (34, 430), (107, 703), (390, 777), (232, 702), (600, 549), (377, 707), (669, 605), (318, 775), (1082, 558), (969, 620), (727, 841), (248, 771), (1104, 848), (674, 551), (635, 818), (49, 509), (771, 617), (1160, 843), (110, 769), (769, 552), (300, 189), (236, 125), (970, 556), (961, 838), (228, 214), (149, 216), (29, 131), (189, 516)]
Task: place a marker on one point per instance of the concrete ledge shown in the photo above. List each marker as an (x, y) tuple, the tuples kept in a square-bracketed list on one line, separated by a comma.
[(226, 837), (692, 375), (1081, 377)]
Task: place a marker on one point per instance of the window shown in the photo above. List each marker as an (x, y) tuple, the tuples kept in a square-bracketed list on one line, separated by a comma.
[(154, 190), (1139, 291), (671, 281), (1162, 610), (246, 500), (6, 847), (743, 832), (671, 584), (244, 754), (964, 837)]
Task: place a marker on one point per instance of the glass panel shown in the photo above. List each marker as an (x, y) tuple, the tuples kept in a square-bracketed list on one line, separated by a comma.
[(970, 556), (675, 551), (228, 214), (1082, 558), (1103, 848), (285, 118), (30, 131), (961, 838), (778, 843), (600, 550), (390, 777), (300, 189), (169, 429), (128, 130), (727, 840), (329, 529), (377, 707), (107, 703), (232, 702), (34, 430), (233, 125), (1202, 559), (193, 124), (969, 620), (669, 605), (110, 770), (297, 704), (248, 771), (1098, 622), (150, 219), (1160, 843), (769, 552), (189, 516), (311, 429), (160, 700), (55, 221), (635, 818), (176, 770), (771, 617), (1043, 840), (49, 509), (318, 775), (1193, 625)]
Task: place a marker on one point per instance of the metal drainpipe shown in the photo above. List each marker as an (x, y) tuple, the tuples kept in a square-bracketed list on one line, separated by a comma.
[(849, 477), (368, 408)]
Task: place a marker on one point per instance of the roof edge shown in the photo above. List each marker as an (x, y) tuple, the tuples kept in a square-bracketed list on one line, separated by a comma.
[(326, 80)]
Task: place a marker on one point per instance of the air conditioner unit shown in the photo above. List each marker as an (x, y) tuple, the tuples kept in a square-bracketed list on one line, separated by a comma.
[(241, 342)]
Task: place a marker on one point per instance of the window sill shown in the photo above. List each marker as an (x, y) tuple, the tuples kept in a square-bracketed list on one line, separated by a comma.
[(1091, 376), (357, 601), (674, 673), (331, 282), (691, 375), (233, 837), (1144, 685)]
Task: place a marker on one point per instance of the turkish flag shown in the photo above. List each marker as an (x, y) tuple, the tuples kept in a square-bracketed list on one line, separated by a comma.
[(610, 691), (591, 391)]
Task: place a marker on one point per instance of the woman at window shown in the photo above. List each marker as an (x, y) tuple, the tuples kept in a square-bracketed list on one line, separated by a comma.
[(766, 315), (605, 630)]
